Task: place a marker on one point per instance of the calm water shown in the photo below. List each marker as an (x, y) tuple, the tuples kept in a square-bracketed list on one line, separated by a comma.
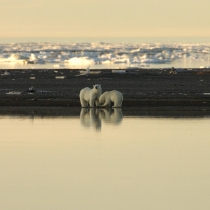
[(102, 161)]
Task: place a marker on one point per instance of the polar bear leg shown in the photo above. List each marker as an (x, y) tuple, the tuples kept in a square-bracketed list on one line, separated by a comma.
[(97, 102), (92, 102), (83, 102), (117, 103), (117, 99)]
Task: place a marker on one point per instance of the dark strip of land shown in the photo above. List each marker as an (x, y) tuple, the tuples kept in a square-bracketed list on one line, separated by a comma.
[(140, 87)]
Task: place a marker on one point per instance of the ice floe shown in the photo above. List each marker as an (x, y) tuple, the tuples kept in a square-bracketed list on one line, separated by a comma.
[(100, 54)]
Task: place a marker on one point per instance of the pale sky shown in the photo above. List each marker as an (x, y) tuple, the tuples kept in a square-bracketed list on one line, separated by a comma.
[(104, 18)]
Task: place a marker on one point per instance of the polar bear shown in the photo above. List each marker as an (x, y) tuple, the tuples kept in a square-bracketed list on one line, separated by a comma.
[(111, 96), (90, 96)]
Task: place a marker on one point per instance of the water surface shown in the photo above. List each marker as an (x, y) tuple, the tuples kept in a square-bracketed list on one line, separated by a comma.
[(104, 161)]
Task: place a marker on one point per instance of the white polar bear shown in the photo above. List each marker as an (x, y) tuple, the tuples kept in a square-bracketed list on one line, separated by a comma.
[(90, 96), (111, 96)]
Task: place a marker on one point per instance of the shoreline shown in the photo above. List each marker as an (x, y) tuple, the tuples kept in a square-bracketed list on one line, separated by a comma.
[(141, 88), (75, 112)]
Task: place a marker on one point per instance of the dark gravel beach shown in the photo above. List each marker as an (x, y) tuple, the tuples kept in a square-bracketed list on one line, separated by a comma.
[(142, 88)]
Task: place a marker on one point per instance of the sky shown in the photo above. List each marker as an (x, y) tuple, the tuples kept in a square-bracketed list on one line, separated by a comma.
[(104, 18)]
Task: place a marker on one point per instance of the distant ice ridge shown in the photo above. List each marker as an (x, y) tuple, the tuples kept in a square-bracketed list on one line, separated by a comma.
[(103, 54)]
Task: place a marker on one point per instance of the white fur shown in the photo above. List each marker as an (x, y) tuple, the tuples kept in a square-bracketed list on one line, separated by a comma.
[(90, 96), (111, 96)]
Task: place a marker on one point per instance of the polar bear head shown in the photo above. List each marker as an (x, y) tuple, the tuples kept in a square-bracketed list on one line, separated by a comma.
[(97, 89)]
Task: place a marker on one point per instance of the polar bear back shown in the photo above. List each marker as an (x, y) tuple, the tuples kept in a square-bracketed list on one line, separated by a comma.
[(114, 94)]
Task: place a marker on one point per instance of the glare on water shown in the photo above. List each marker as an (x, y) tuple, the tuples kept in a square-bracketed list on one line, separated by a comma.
[(105, 55), (104, 161)]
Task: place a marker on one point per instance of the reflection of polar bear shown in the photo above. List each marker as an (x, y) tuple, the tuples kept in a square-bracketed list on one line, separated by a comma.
[(90, 96), (111, 96), (113, 116), (90, 117)]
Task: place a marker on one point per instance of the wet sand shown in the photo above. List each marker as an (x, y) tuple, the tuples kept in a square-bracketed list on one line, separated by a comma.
[(144, 90)]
